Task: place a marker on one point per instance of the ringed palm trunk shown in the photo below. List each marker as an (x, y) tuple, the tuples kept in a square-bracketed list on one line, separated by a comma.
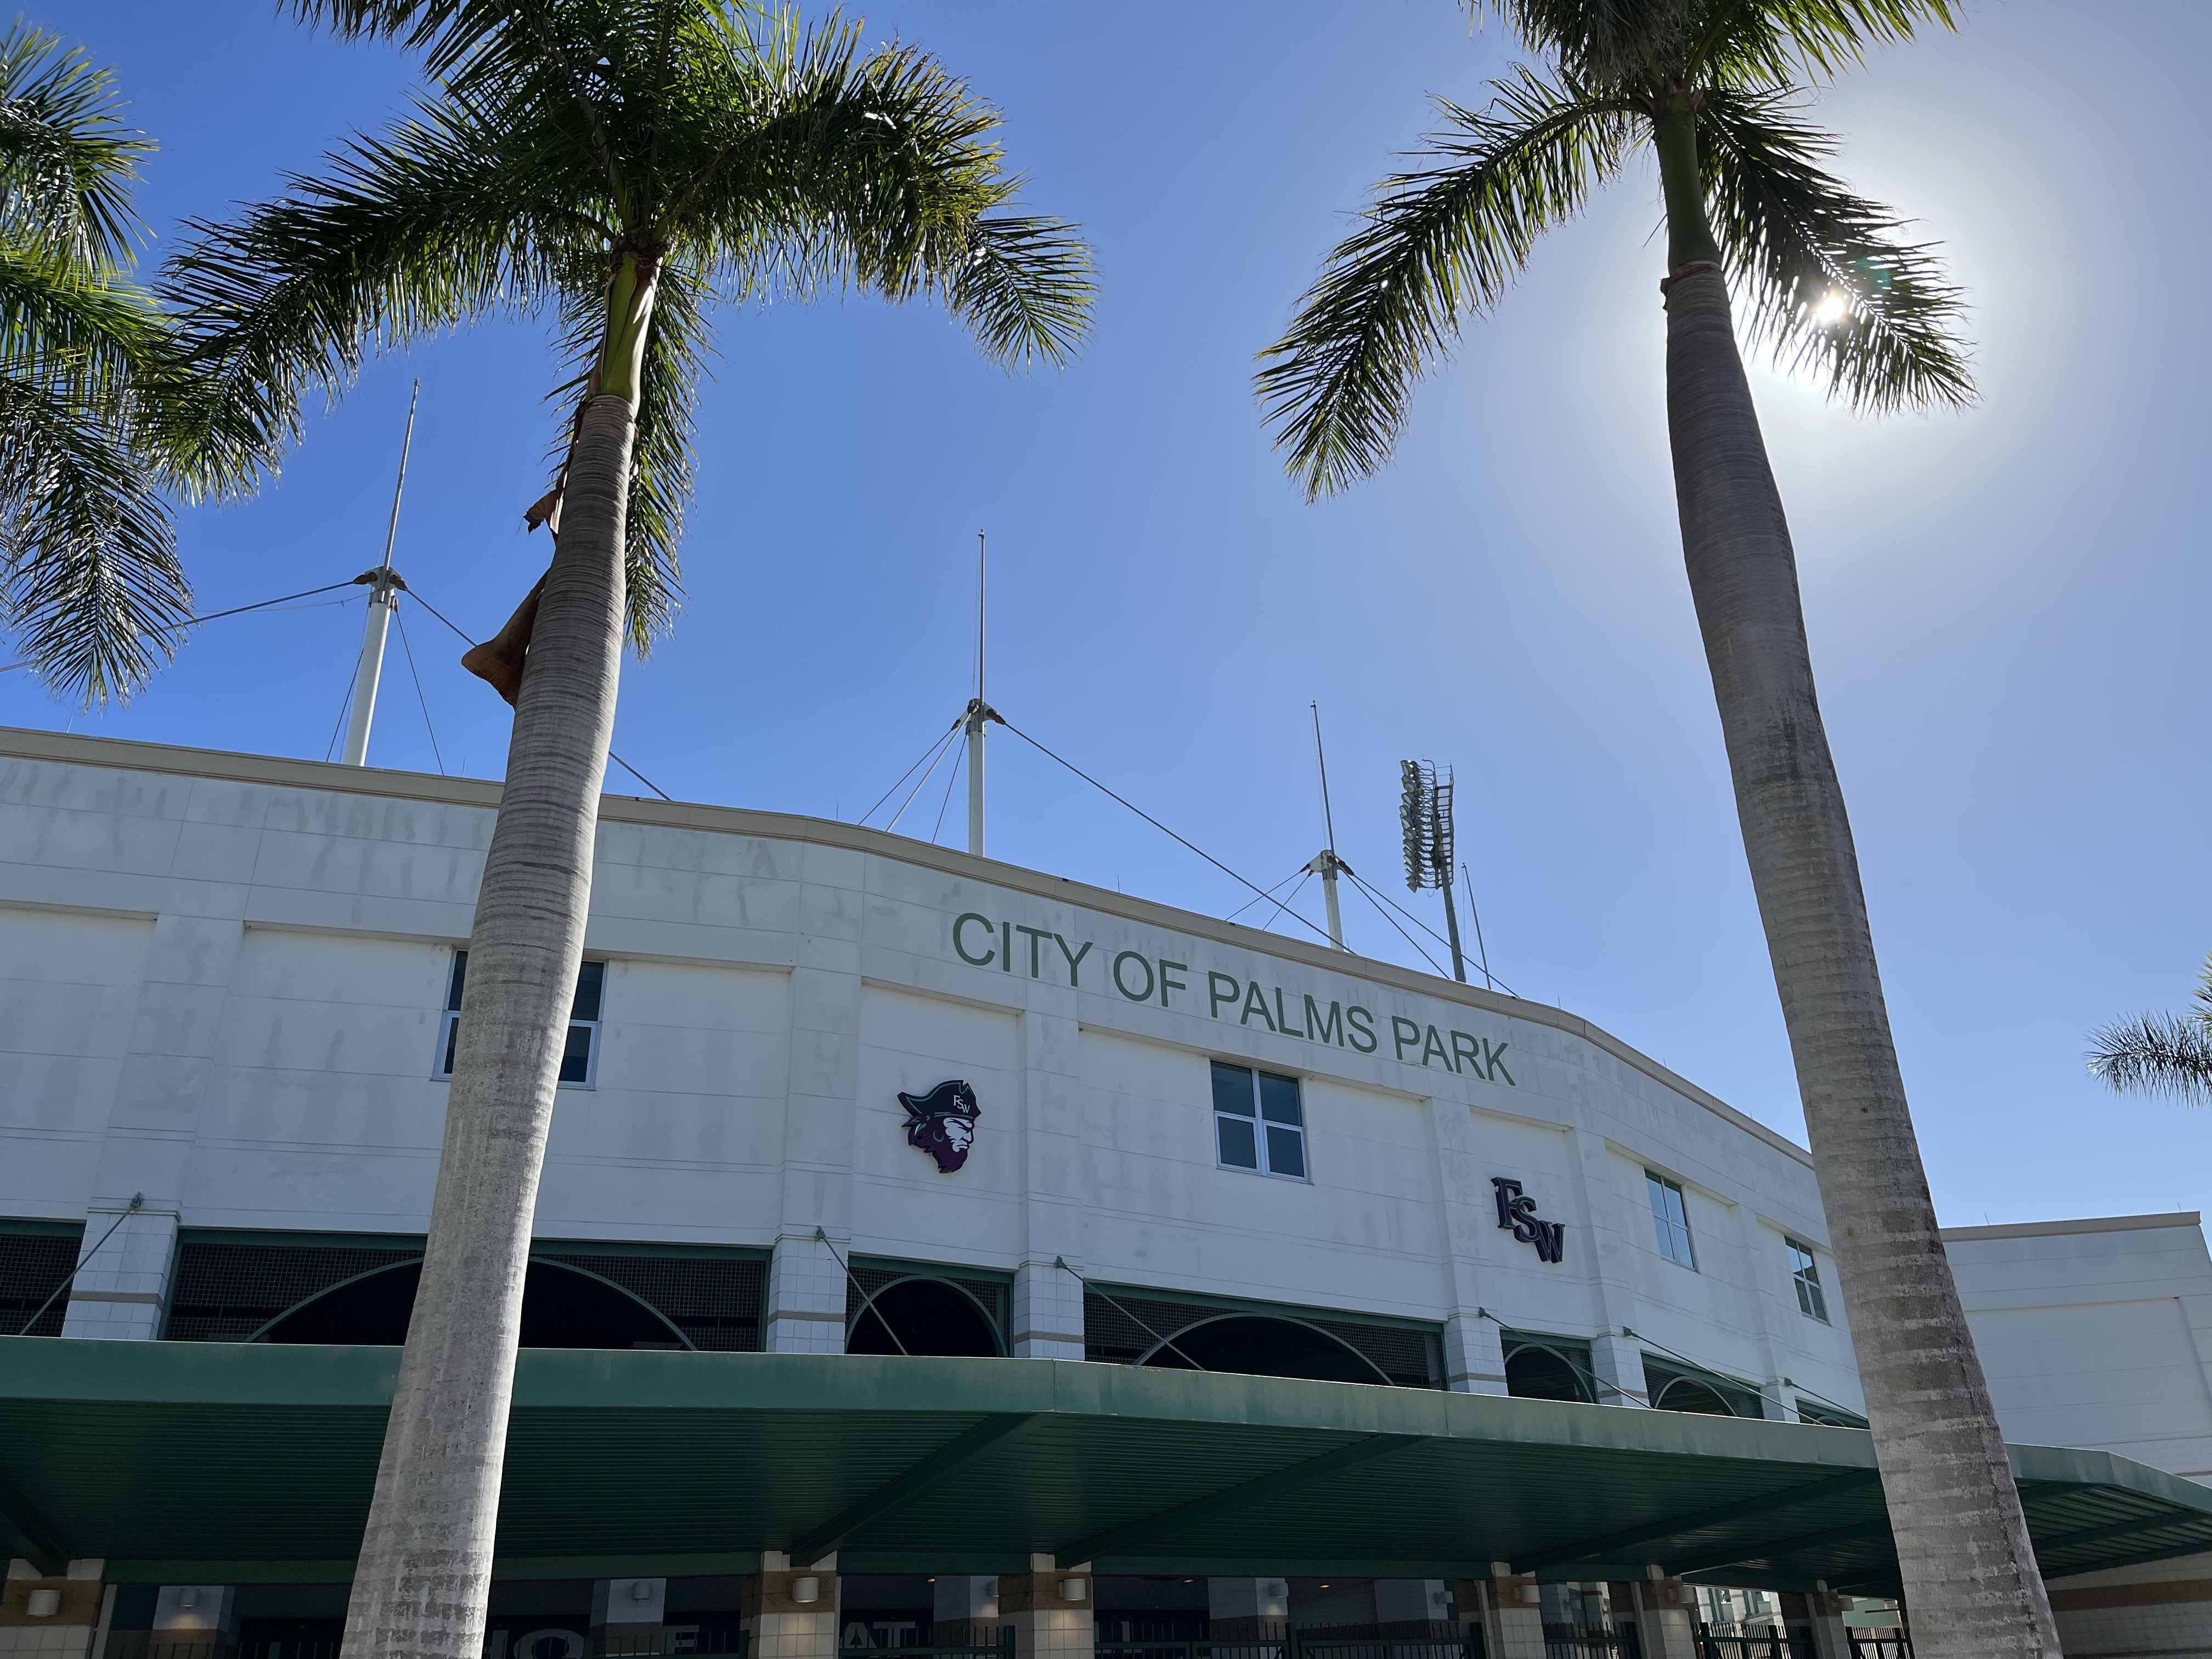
[(424, 1575), (1971, 1582)]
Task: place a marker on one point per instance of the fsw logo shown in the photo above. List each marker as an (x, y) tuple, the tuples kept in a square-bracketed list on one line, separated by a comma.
[(1519, 1213), (943, 1123)]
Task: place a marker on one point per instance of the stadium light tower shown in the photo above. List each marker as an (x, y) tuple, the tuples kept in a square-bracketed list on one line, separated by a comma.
[(1424, 812)]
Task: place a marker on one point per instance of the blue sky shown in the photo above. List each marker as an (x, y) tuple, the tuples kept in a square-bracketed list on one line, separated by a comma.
[(2006, 606)]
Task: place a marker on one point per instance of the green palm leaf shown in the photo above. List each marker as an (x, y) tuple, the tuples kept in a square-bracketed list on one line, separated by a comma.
[(97, 412), (741, 155), (2159, 1054), (1436, 243), (1793, 236)]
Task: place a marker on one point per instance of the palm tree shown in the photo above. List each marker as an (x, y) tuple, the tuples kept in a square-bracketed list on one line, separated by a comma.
[(622, 166), (1711, 86), (90, 396), (2156, 1054)]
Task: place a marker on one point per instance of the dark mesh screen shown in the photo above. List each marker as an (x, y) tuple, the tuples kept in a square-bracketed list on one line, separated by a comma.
[(226, 1291), (32, 1264), (867, 1278), (714, 1301), (1120, 1330), (1698, 1390)]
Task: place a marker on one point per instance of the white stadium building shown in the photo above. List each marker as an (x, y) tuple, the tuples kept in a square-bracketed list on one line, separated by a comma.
[(942, 1255)]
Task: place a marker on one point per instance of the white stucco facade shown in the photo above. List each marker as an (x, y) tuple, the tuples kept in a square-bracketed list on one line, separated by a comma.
[(223, 985)]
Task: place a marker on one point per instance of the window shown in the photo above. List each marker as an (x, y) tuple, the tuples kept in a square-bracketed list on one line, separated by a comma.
[(1670, 1219), (1812, 1301), (579, 1060), (1258, 1124)]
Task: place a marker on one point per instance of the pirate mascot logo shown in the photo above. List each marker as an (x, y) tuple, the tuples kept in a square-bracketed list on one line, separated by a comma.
[(943, 1123)]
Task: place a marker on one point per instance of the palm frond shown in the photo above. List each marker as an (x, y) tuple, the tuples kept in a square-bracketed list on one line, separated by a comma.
[(1437, 244), (825, 168), (2157, 1055), (1025, 286), (84, 331), (89, 582), (1619, 45), (447, 219), (1764, 40), (66, 161), (1793, 235)]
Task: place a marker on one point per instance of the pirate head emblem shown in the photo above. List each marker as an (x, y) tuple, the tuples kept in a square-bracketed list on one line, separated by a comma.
[(943, 1123)]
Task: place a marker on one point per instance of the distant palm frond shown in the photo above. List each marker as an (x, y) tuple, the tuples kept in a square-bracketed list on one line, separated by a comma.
[(2161, 1054), (1436, 244)]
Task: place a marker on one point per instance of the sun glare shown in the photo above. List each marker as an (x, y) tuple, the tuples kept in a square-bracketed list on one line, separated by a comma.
[(1833, 309)]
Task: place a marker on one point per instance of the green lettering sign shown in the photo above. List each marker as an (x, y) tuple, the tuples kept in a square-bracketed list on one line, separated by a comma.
[(988, 957)]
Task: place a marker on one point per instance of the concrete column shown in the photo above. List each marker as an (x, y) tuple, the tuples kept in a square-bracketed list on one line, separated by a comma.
[(805, 1311), (1409, 1601), (1666, 1614), (628, 1614), (1508, 1607), (1474, 1356), (792, 1614), (168, 1058), (43, 1617), (1824, 1614), (1617, 1361), (1050, 1609), (195, 1617), (1047, 1322), (122, 1286), (1246, 1603), (964, 1598), (805, 1298), (1057, 1185)]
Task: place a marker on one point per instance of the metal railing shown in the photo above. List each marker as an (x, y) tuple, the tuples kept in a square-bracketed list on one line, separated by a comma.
[(1765, 1644), (677, 1643), (1622, 1644), (980, 1642), (1266, 1640), (1881, 1647)]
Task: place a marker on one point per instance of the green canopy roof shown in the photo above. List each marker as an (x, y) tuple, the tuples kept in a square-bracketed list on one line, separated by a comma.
[(213, 1463)]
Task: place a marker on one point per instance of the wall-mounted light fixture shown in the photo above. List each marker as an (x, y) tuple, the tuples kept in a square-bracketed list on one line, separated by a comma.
[(806, 1589), (1074, 1589), (44, 1602)]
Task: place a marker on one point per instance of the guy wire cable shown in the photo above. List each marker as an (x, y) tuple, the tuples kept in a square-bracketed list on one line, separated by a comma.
[(611, 755), (408, 651), (867, 1297), (1319, 933), (214, 616)]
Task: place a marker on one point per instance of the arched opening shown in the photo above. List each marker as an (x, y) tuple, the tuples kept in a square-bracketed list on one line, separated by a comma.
[(1257, 1346), (1686, 1393), (923, 1317), (1540, 1373), (563, 1307)]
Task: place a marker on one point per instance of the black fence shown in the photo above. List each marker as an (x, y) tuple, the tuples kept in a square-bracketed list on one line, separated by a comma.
[(1569, 1644), (1771, 1645), (970, 1641), (659, 1644), (1898, 1646), (1264, 1639)]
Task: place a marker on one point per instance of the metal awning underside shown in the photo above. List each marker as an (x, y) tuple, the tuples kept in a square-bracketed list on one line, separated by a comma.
[(212, 1463)]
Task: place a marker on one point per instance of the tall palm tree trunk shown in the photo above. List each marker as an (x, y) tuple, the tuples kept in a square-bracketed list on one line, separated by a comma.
[(419, 1587), (1971, 1580)]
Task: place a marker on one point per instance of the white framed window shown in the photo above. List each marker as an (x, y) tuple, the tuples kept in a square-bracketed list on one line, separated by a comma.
[(580, 1060), (1259, 1122), (1670, 1219), (1805, 1273)]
